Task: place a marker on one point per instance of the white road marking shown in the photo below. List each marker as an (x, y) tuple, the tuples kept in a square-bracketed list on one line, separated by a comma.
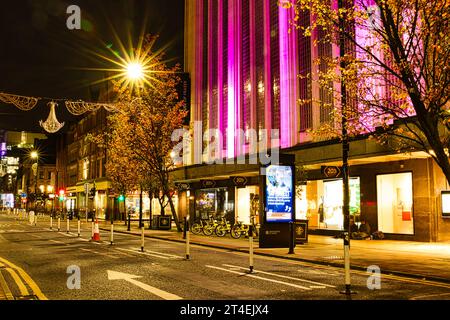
[(260, 278), (114, 275), (58, 242), (144, 253), (36, 236), (165, 254), (321, 285), (430, 295)]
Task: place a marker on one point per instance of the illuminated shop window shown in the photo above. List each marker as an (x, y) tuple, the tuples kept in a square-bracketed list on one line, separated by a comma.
[(394, 202)]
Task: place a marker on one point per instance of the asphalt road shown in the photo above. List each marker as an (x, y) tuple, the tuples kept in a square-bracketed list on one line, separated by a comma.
[(35, 259)]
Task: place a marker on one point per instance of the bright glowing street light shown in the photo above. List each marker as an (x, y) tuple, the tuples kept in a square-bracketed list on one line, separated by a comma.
[(34, 155), (135, 71)]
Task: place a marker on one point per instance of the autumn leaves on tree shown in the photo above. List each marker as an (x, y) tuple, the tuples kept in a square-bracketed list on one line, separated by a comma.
[(396, 60), (138, 140)]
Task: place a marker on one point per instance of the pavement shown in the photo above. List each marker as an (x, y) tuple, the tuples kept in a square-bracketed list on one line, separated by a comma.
[(428, 261)]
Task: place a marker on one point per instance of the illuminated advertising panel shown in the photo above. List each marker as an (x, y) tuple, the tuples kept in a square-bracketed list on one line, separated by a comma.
[(446, 203), (279, 193)]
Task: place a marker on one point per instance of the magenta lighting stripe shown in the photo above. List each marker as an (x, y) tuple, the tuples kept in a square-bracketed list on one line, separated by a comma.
[(233, 84), (220, 124), (288, 87), (267, 72), (254, 85), (210, 67), (285, 92)]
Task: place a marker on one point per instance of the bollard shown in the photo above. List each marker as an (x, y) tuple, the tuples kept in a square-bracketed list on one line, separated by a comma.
[(291, 238), (250, 239), (68, 225), (59, 224), (129, 221), (348, 291), (79, 227), (142, 239), (51, 223), (35, 219), (112, 232), (92, 235), (186, 229)]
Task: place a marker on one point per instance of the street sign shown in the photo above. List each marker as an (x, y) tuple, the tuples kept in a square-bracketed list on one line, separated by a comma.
[(331, 171)]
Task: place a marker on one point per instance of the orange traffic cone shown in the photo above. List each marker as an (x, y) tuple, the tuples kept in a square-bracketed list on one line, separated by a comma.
[(96, 236)]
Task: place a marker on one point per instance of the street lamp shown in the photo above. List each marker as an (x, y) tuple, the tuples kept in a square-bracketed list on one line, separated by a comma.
[(35, 155), (135, 71)]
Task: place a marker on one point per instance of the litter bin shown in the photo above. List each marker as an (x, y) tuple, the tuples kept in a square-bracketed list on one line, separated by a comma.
[(161, 222), (301, 231)]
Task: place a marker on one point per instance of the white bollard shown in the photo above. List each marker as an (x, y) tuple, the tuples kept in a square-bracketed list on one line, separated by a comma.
[(92, 236), (142, 239), (79, 227), (59, 224), (68, 225), (112, 233), (51, 223)]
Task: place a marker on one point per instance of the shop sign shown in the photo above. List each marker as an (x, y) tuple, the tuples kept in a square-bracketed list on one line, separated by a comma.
[(208, 183), (183, 186), (279, 193), (331, 172), (240, 181)]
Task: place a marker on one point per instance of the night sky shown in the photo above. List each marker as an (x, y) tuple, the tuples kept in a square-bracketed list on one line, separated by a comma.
[(41, 57)]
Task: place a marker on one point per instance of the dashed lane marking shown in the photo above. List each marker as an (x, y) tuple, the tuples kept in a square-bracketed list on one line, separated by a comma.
[(321, 285), (58, 242), (144, 253), (260, 278)]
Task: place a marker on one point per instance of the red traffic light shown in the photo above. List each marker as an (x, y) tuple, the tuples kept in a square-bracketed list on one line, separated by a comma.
[(62, 192)]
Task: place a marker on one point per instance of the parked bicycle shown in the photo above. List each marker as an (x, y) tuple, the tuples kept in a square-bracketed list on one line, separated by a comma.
[(223, 228), (240, 229)]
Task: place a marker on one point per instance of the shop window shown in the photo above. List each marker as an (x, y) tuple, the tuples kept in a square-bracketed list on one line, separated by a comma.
[(394, 202), (218, 202), (321, 202)]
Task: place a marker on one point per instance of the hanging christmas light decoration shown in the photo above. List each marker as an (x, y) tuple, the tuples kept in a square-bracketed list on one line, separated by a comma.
[(80, 107), (21, 102), (51, 125)]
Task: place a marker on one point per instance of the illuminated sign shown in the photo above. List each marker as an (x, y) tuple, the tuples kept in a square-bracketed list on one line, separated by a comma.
[(445, 197), (279, 193)]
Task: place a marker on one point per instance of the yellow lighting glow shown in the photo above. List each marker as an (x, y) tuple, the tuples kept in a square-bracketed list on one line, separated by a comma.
[(135, 71), (34, 154)]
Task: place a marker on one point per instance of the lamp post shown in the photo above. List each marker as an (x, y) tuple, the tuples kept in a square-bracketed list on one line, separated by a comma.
[(345, 152), (35, 155)]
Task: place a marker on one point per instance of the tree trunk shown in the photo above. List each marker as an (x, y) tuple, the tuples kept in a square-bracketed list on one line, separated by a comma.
[(174, 215), (140, 208)]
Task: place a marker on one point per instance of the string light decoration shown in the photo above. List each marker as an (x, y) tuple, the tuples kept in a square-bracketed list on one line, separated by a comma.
[(21, 102), (80, 107), (51, 125)]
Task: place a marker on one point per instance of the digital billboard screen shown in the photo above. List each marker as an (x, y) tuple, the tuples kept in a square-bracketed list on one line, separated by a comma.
[(279, 193)]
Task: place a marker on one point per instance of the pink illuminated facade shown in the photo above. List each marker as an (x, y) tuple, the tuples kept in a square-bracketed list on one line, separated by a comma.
[(251, 73)]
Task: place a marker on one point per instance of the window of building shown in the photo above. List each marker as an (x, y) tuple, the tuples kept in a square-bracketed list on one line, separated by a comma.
[(41, 174), (321, 202), (85, 169), (394, 203)]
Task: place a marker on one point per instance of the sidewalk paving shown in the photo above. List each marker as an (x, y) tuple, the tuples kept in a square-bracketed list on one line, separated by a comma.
[(429, 261)]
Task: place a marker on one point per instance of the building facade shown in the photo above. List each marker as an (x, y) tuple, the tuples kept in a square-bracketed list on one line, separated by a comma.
[(248, 71)]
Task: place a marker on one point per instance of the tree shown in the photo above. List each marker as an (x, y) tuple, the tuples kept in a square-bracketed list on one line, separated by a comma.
[(395, 68), (143, 125)]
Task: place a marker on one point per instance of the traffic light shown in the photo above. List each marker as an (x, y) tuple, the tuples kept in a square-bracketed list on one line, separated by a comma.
[(121, 198), (61, 194), (92, 192)]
